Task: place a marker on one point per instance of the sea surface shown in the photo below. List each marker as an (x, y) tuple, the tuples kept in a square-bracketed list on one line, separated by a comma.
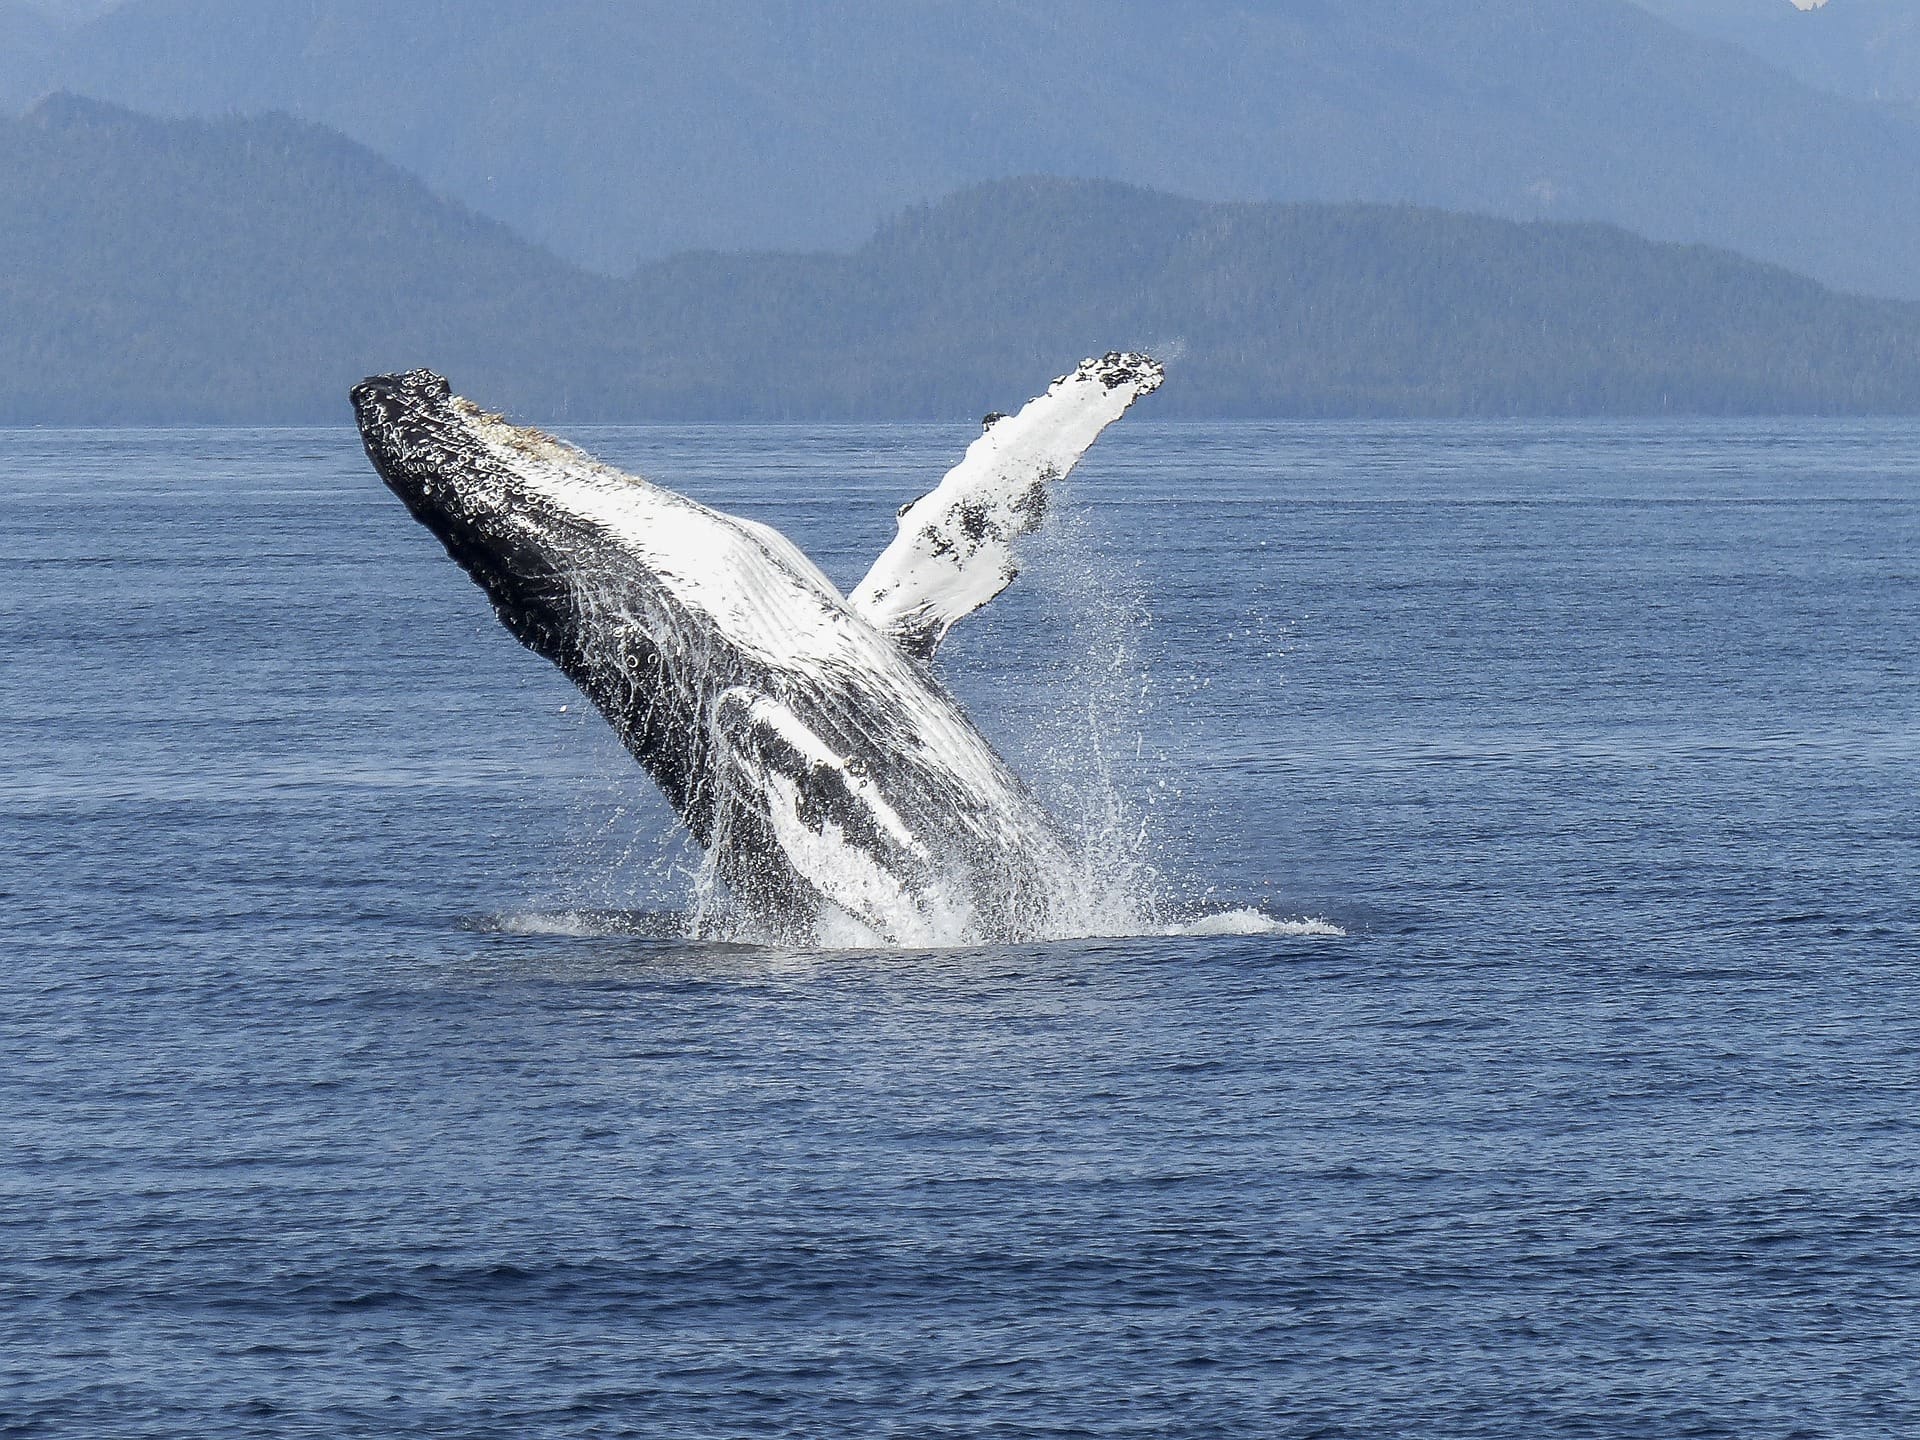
[(354, 1081)]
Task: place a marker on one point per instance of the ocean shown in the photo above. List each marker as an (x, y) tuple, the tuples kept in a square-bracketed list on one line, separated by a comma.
[(1536, 807)]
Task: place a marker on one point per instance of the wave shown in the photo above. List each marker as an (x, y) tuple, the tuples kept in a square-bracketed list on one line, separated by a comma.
[(1249, 921)]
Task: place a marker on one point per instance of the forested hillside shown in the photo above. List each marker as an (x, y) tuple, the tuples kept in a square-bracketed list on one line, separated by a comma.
[(1267, 310), (153, 271), (252, 269)]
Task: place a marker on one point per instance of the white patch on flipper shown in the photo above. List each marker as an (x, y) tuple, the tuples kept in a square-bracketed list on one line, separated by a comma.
[(954, 551)]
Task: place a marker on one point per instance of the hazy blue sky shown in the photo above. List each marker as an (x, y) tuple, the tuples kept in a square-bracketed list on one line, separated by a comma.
[(73, 9), (1680, 9)]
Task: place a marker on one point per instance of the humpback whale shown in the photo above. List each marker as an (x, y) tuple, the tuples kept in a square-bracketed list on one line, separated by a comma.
[(800, 734)]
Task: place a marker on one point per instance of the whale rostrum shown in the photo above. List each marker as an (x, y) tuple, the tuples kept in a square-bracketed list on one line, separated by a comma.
[(800, 735)]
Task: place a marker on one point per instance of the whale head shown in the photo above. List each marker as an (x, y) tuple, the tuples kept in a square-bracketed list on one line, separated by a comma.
[(442, 455), (548, 534)]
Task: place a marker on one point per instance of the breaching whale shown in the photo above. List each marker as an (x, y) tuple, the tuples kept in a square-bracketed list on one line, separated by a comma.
[(799, 734)]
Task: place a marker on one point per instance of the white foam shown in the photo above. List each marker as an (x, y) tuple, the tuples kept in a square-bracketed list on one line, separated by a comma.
[(572, 924), (1248, 921), (838, 931)]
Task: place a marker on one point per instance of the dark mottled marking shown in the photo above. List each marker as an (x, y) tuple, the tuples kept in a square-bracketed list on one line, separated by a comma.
[(976, 521)]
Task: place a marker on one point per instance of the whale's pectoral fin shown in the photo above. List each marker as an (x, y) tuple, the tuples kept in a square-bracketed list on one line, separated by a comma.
[(954, 551), (837, 831)]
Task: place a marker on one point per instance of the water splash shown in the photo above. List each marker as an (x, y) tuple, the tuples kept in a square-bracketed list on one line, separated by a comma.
[(1084, 717)]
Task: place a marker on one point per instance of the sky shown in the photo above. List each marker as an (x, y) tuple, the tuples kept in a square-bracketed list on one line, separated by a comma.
[(83, 9), (74, 9)]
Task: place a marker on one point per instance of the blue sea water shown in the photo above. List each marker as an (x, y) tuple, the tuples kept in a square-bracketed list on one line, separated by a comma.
[(353, 1083)]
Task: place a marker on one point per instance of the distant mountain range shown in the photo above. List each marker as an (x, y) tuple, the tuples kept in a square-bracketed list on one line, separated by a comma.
[(247, 270), (1863, 49), (615, 130)]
